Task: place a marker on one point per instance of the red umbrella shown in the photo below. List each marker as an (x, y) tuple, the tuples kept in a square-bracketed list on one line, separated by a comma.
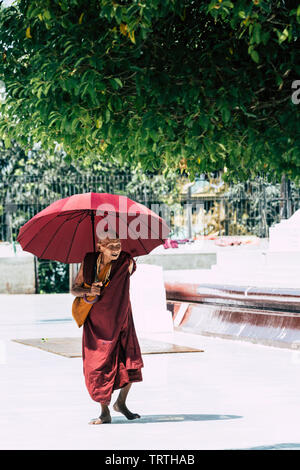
[(68, 228)]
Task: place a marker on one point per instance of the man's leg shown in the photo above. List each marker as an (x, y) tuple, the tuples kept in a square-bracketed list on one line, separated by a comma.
[(120, 405), (104, 417)]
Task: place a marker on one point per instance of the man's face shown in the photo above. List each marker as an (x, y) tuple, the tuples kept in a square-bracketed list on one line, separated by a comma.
[(110, 247)]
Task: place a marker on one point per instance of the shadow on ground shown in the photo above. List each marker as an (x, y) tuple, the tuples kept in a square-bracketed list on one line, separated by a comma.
[(171, 418)]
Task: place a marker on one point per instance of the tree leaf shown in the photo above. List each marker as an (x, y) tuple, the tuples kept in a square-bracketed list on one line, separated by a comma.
[(254, 55), (28, 32)]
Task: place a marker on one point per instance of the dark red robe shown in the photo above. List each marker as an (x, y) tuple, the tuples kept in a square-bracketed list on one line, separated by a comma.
[(110, 349)]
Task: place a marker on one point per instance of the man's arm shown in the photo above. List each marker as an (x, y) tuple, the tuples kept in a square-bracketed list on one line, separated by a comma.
[(77, 288)]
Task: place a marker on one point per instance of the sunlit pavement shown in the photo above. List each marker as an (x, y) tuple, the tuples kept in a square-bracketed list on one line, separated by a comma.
[(234, 395)]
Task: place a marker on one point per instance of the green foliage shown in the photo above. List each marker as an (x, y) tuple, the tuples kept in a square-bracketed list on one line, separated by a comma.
[(162, 188), (162, 82), (53, 277), (33, 180)]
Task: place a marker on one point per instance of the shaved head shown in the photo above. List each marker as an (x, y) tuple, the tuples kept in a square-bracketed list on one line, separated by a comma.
[(108, 235), (108, 241), (109, 244)]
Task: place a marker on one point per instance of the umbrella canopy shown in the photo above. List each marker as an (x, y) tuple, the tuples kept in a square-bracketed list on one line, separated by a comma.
[(69, 227)]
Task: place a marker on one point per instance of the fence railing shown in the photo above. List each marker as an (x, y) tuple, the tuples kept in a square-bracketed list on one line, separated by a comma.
[(244, 209)]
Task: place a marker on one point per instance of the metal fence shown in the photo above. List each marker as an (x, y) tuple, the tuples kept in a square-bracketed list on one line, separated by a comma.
[(243, 209), (25, 196), (230, 216)]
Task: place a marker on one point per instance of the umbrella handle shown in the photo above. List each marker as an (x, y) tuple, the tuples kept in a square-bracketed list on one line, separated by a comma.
[(91, 301)]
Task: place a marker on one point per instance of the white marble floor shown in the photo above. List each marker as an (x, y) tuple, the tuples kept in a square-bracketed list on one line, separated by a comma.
[(235, 395)]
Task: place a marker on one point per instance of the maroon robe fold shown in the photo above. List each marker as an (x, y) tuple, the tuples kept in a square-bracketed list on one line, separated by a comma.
[(110, 349)]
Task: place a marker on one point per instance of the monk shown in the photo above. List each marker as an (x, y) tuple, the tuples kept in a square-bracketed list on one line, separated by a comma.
[(110, 350)]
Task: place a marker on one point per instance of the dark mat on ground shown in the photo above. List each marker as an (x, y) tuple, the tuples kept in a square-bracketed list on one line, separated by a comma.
[(71, 347)]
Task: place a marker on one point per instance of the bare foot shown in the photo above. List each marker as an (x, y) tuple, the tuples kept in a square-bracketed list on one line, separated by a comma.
[(103, 419), (122, 408)]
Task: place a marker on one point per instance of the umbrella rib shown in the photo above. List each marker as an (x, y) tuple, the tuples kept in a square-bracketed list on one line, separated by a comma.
[(138, 238), (84, 216), (36, 220), (66, 220), (37, 233), (161, 239), (28, 227), (70, 212)]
